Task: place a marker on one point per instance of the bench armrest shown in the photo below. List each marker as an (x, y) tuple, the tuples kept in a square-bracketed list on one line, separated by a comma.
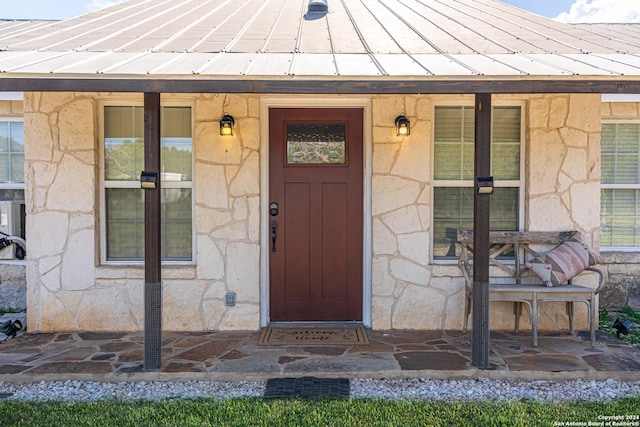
[(465, 266), (600, 280)]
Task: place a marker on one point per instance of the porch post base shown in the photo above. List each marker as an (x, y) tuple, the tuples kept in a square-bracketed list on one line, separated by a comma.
[(152, 326)]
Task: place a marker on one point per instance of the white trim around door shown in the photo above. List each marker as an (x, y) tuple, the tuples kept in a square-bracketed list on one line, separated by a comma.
[(292, 102)]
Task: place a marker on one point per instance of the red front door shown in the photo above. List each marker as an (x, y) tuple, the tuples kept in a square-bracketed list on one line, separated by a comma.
[(316, 210)]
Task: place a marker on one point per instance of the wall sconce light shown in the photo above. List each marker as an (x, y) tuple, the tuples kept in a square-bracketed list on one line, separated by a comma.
[(226, 125), (149, 180), (622, 326), (403, 126), (484, 184)]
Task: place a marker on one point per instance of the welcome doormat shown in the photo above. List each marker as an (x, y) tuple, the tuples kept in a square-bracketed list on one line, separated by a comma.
[(314, 336)]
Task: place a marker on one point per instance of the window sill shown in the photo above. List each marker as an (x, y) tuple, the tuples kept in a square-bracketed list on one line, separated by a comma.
[(13, 262), (136, 271)]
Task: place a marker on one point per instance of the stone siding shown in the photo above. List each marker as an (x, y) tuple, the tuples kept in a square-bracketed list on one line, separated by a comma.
[(71, 289), (13, 287), (11, 109), (563, 173), (13, 282), (622, 268)]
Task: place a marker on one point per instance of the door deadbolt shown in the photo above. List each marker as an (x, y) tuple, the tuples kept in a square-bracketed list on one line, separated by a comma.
[(273, 209)]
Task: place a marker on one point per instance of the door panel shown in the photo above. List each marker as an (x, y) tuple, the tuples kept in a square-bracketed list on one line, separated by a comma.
[(316, 177), (334, 255), (298, 241)]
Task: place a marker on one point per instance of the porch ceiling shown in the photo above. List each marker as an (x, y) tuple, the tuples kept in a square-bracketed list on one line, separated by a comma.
[(393, 46)]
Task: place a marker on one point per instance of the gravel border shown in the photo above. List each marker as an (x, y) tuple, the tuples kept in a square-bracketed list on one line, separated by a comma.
[(418, 389), (484, 389)]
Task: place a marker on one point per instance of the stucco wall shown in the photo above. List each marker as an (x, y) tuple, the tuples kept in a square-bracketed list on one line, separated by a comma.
[(69, 289)]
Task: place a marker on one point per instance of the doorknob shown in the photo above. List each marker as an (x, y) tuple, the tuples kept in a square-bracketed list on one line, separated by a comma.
[(274, 234)]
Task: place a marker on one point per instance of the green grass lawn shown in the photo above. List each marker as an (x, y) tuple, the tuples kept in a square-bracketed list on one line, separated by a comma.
[(290, 412)]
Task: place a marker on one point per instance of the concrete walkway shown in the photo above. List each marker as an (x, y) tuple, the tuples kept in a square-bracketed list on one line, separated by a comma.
[(233, 356)]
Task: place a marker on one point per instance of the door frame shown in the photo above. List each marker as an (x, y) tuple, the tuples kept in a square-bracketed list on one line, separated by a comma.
[(367, 145)]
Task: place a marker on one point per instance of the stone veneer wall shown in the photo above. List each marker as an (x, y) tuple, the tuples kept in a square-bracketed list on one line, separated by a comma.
[(69, 289), (623, 268), (13, 283), (562, 166)]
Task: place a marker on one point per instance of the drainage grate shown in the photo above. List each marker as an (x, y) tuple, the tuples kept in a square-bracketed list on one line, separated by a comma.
[(308, 388)]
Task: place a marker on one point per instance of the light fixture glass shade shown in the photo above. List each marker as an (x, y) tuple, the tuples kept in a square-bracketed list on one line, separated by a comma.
[(226, 125), (403, 126)]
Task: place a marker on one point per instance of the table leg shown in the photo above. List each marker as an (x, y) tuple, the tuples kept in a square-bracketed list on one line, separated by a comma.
[(535, 310), (570, 314), (592, 319)]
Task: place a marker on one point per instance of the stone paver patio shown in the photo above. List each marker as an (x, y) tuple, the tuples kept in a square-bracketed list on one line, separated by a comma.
[(237, 355)]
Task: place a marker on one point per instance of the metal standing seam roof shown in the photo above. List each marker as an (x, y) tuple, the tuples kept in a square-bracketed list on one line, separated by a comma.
[(279, 39)]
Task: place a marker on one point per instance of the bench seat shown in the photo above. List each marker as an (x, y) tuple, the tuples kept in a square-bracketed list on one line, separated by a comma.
[(535, 294)]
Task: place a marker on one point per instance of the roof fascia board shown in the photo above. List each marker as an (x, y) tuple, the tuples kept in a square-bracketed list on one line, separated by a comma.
[(310, 86)]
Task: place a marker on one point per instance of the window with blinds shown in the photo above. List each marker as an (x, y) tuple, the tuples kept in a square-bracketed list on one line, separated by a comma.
[(620, 186), (124, 199), (453, 173), (11, 152)]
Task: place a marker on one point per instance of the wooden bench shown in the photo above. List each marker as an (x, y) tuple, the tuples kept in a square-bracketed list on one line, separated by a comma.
[(510, 250)]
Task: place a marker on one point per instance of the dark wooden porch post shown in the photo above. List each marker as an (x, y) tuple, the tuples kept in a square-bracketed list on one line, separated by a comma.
[(481, 215), (152, 274)]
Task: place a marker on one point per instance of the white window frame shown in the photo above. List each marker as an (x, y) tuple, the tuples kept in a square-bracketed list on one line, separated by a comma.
[(132, 102), (604, 186), (520, 184), (12, 185)]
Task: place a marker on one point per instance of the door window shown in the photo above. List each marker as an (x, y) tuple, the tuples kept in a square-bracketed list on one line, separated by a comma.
[(315, 144)]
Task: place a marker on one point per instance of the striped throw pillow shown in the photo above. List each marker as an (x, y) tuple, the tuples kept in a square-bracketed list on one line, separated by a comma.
[(565, 261)]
